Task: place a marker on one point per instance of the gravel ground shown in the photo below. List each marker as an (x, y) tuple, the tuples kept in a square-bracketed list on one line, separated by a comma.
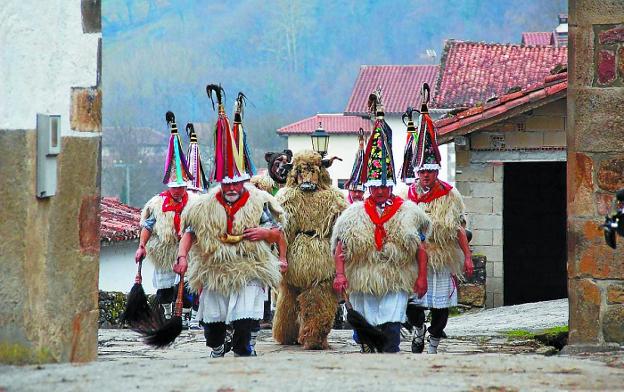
[(481, 360)]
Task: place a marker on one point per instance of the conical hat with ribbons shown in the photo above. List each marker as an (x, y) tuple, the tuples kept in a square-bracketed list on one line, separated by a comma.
[(356, 182), (426, 152), (378, 167), (193, 155), (232, 161), (176, 173)]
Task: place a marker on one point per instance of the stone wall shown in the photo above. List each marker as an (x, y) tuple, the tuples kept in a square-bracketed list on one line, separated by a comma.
[(50, 250), (49, 254), (595, 169), (481, 184), (479, 178)]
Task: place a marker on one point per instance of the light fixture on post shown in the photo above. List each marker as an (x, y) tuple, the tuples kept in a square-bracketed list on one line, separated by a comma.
[(320, 140)]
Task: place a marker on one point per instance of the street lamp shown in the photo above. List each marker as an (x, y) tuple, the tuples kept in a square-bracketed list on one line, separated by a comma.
[(320, 140), (121, 164)]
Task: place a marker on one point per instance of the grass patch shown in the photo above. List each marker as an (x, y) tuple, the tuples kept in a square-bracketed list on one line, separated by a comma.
[(454, 311), (517, 334), (17, 354), (524, 334), (555, 336), (556, 330)]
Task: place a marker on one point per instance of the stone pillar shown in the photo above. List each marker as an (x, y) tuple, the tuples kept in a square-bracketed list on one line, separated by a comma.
[(49, 252), (595, 170)]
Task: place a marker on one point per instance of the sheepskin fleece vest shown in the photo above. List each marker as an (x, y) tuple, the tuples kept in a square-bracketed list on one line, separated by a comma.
[(265, 183), (311, 217), (443, 248), (162, 246), (395, 267), (227, 268)]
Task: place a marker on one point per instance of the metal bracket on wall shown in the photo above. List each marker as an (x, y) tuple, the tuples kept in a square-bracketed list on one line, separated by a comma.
[(48, 149)]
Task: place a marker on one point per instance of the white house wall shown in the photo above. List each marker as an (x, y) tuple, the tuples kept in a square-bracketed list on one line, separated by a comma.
[(117, 268), (345, 147), (37, 74)]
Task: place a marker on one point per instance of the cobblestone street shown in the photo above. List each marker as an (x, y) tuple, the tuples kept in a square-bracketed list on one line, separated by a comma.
[(531, 317), (467, 362)]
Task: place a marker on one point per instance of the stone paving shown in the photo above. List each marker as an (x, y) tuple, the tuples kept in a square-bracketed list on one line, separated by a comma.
[(485, 361), (531, 317)]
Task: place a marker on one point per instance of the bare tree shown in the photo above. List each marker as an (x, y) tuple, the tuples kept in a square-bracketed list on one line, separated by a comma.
[(290, 22), (132, 160)]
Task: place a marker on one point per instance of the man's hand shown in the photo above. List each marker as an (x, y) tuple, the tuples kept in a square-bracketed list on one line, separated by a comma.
[(256, 234), (283, 264), (420, 288), (181, 265), (468, 266), (340, 283), (140, 254)]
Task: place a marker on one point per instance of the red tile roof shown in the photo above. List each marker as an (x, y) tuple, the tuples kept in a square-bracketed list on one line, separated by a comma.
[(550, 88), (118, 221), (400, 85), (540, 38), (332, 123), (473, 72)]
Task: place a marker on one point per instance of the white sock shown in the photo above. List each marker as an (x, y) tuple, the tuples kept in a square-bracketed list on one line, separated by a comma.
[(167, 310), (433, 345)]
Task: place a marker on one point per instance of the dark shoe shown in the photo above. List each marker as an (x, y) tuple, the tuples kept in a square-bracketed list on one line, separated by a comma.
[(339, 318), (218, 352), (227, 345), (418, 342), (366, 349)]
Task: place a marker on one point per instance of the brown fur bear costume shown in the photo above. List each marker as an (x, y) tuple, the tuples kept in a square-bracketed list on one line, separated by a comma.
[(306, 303)]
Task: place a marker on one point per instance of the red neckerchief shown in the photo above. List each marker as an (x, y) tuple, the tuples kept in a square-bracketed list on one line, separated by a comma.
[(169, 204), (439, 189), (232, 209), (371, 209)]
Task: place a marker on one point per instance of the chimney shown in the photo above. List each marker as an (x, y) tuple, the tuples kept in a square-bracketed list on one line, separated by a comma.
[(561, 31)]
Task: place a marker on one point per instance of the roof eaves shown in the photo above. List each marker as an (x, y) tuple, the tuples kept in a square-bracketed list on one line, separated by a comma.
[(475, 118), (282, 129)]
